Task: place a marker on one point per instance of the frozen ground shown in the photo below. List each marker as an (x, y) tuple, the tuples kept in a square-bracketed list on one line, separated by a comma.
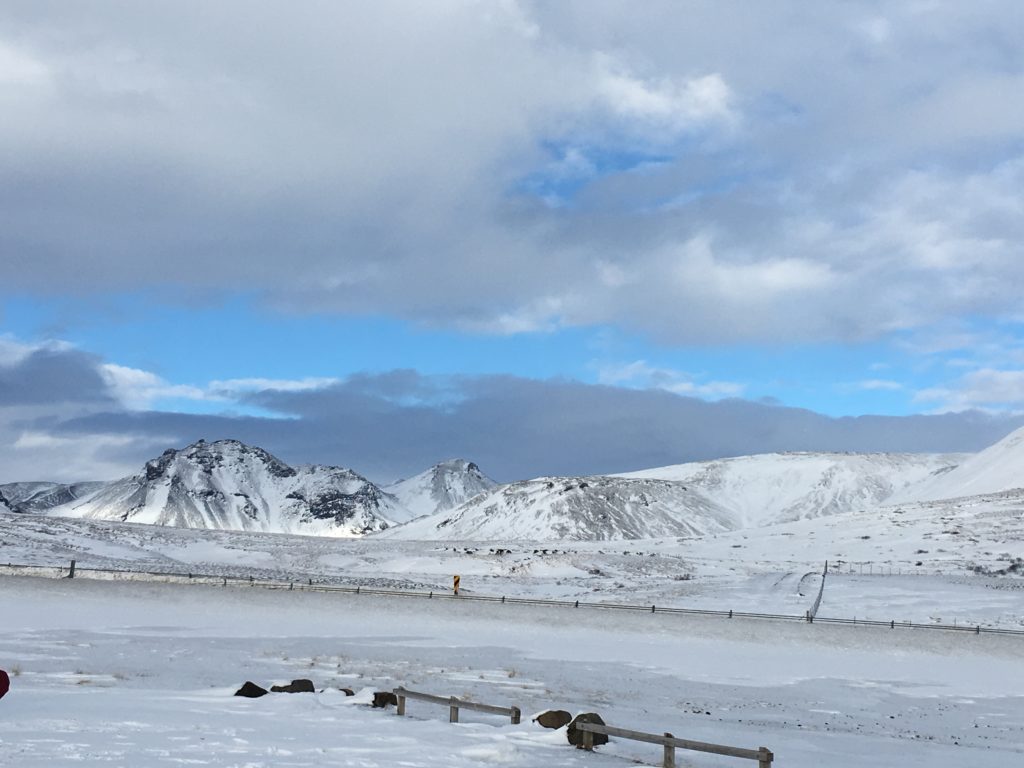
[(118, 673), (769, 570), (138, 674)]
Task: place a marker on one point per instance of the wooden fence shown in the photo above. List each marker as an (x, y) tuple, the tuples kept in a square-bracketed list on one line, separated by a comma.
[(763, 755), (454, 704)]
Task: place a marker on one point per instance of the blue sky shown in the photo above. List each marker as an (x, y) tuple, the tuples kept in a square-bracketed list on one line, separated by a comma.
[(224, 213), (236, 339)]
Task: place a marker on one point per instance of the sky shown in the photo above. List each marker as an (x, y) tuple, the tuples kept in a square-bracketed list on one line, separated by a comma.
[(549, 237)]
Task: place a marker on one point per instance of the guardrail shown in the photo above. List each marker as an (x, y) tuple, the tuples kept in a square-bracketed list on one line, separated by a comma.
[(454, 704), (307, 583), (763, 755)]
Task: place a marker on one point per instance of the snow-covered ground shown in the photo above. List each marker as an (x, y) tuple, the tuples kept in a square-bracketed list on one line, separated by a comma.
[(140, 674), (130, 673)]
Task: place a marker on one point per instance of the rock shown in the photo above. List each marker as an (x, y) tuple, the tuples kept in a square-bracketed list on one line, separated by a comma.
[(301, 685), (575, 736), (382, 699), (347, 691), (251, 691), (553, 718)]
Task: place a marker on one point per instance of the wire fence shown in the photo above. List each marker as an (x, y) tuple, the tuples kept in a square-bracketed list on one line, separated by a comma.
[(309, 583)]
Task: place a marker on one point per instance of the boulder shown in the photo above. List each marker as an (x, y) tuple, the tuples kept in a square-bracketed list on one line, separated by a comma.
[(575, 735), (382, 699), (251, 691), (553, 718), (301, 685), (347, 691)]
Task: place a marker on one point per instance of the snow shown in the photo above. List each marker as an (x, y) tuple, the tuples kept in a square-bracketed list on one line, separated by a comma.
[(229, 485), (571, 508), (102, 678), (781, 487), (442, 487), (110, 671), (999, 467)]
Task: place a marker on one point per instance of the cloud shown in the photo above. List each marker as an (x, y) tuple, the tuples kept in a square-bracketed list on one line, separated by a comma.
[(137, 389), (398, 423), (370, 159), (875, 385), (50, 375), (984, 389), (641, 375)]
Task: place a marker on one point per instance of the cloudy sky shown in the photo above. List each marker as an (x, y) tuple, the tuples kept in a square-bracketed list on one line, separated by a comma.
[(550, 237)]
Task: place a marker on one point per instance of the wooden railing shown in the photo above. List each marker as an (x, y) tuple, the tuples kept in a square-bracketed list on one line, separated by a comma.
[(763, 755), (454, 704)]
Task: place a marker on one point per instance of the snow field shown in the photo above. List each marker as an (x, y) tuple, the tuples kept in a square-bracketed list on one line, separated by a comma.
[(121, 673)]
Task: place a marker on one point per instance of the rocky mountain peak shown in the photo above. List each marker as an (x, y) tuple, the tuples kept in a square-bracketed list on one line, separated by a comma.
[(444, 486), (207, 458)]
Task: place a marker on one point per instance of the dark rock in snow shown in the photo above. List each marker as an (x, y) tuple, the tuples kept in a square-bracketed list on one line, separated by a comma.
[(251, 691), (347, 691), (553, 718), (382, 699), (301, 685), (575, 735)]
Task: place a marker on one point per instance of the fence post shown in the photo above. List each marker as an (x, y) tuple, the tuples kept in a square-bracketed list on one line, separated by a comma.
[(588, 741), (401, 704), (453, 710), (71, 573), (764, 758), (670, 754), (516, 716)]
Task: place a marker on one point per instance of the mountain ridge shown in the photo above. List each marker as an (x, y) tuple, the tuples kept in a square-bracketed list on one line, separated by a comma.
[(229, 485)]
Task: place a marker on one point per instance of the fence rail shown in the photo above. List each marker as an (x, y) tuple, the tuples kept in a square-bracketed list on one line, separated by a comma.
[(454, 704), (309, 584), (763, 755)]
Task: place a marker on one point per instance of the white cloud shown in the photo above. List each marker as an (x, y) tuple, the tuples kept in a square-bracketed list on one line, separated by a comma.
[(138, 390), (874, 385), (370, 158), (640, 374), (986, 389), (19, 67), (657, 105)]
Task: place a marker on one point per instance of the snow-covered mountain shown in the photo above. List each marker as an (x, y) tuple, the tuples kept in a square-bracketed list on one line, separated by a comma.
[(1000, 467), (683, 500), (4, 504), (229, 485), (41, 496), (782, 487), (581, 509), (442, 487)]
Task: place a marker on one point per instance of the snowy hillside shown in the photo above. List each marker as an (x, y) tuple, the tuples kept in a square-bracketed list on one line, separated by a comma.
[(781, 487), (442, 487), (998, 468), (229, 485), (38, 497), (579, 509), (683, 500)]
